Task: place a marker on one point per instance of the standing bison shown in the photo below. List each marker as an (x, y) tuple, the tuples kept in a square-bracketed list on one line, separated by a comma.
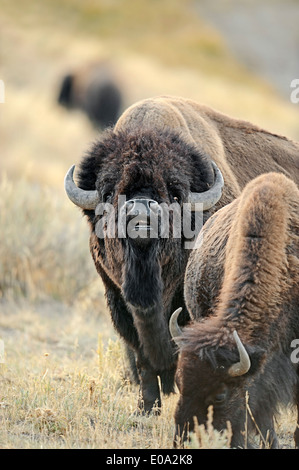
[(242, 290), (163, 151), (94, 90)]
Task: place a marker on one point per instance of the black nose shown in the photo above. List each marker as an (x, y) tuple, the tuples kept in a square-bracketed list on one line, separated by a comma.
[(141, 207), (141, 220)]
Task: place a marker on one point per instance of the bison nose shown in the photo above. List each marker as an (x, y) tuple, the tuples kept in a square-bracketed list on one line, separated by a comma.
[(142, 220), (141, 207)]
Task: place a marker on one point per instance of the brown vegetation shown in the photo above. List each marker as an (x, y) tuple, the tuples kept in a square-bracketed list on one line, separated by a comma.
[(61, 386)]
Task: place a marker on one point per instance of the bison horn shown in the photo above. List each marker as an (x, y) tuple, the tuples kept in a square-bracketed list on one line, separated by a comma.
[(240, 368), (80, 197), (210, 197), (175, 330), (90, 199)]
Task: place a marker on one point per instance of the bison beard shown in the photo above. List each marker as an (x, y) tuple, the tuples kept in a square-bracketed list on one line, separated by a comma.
[(142, 285), (142, 289)]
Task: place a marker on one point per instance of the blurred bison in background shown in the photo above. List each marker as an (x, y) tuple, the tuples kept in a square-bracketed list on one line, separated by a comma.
[(242, 291), (94, 90), (164, 150)]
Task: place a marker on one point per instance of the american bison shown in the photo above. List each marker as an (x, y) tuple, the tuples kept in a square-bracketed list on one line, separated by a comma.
[(242, 292), (93, 89), (163, 151)]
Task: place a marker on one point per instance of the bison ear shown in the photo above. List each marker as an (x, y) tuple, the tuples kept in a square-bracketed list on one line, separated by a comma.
[(64, 97), (257, 357), (87, 174), (202, 172), (91, 164)]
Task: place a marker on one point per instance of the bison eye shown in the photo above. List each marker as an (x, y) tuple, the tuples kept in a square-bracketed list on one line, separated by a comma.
[(107, 196), (176, 198), (220, 397)]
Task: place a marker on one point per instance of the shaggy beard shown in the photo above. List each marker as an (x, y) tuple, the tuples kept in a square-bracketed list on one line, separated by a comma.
[(142, 286), (142, 289)]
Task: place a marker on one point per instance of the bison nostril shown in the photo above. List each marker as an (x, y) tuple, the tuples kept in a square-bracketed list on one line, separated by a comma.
[(141, 207), (154, 206), (129, 206)]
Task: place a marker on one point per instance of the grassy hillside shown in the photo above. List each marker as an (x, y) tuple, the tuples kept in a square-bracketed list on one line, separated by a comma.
[(64, 383)]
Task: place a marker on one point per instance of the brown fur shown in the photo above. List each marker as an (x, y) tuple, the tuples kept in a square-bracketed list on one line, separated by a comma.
[(240, 149), (95, 90), (244, 277), (161, 148)]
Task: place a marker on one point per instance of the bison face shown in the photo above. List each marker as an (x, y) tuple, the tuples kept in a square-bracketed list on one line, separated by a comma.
[(129, 183), (217, 372), (249, 401), (202, 385), (205, 382)]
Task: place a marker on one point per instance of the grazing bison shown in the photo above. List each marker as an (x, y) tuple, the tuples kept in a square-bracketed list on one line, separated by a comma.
[(163, 150), (94, 90), (242, 292)]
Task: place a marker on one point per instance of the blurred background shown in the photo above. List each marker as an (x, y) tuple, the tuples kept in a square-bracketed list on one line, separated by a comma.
[(58, 59), (69, 67)]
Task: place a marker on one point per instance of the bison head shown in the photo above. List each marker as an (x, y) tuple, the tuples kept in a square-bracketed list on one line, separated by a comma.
[(168, 153), (243, 384), (129, 177)]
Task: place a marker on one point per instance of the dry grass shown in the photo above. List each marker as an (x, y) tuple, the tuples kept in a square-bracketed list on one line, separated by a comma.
[(63, 383), (70, 390), (207, 437), (39, 236)]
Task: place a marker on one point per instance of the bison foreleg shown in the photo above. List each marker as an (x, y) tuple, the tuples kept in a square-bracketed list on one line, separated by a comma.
[(154, 337), (150, 398), (270, 438)]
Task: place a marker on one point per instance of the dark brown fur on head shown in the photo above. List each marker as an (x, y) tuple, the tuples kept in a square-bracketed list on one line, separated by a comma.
[(159, 160), (160, 166)]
